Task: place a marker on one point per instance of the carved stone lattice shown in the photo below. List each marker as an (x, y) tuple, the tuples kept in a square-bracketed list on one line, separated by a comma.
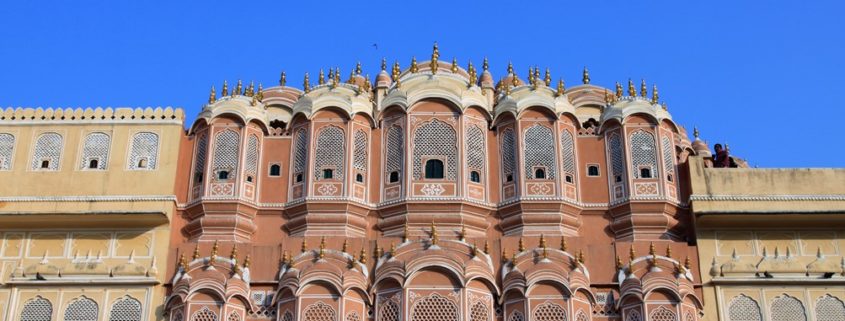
[(395, 149), (508, 152), (287, 316), (82, 309), (204, 314), (301, 152), (567, 150), (476, 152), (435, 307), (668, 156), (689, 317), (539, 151), (353, 316), (549, 312), (581, 316), (7, 148), (643, 153), (744, 308), (516, 316), (662, 314), (47, 147), (634, 315), (617, 159), (96, 147), (830, 308), (226, 152), (177, 315), (251, 166), (319, 312), (127, 309), (436, 138), (388, 311), (479, 312), (234, 316), (360, 157), (144, 146), (37, 309), (787, 308), (330, 152), (202, 151)]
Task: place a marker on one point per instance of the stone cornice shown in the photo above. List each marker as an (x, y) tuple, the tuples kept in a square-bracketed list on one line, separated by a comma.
[(766, 198), (91, 198)]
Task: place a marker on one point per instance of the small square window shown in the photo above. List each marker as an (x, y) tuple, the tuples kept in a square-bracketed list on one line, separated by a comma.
[(359, 178), (593, 170), (275, 170), (568, 179)]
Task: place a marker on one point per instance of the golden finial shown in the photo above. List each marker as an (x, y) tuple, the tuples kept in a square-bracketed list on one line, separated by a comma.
[(542, 240), (618, 90), (695, 132), (651, 250), (560, 88), (654, 95), (581, 256), (331, 75), (474, 249), (485, 65), (510, 68), (513, 258), (585, 78), (687, 263), (668, 251), (414, 67), (454, 65), (283, 79), (377, 252), (545, 253), (225, 91), (304, 246), (212, 97), (536, 75), (548, 78), (405, 233), (238, 88), (247, 261), (473, 76), (251, 90), (606, 96), (531, 75), (396, 70), (336, 75), (306, 85), (345, 245), (322, 247), (234, 254), (392, 249), (435, 53), (463, 234), (631, 91), (504, 255), (507, 89), (321, 79), (358, 68), (380, 251), (254, 100), (521, 245), (260, 92), (183, 264), (383, 63), (681, 269), (631, 254), (618, 262), (351, 79), (643, 89), (434, 236), (515, 80), (486, 246), (213, 256), (563, 243), (286, 258), (363, 256), (367, 83)]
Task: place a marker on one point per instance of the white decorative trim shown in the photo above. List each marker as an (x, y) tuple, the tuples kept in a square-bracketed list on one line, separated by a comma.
[(768, 198), (91, 198)]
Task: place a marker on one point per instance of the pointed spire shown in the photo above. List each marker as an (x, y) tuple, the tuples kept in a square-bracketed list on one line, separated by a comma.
[(367, 84), (581, 256), (695, 132), (234, 254), (405, 233), (321, 79), (463, 235), (504, 255), (643, 89), (345, 245), (631, 253), (196, 252), (536, 75), (474, 249), (363, 257), (383, 64), (238, 88), (545, 253), (351, 79), (548, 78), (283, 79), (304, 246), (585, 78), (213, 256), (618, 90), (434, 236), (668, 251), (521, 245), (331, 75), (654, 94), (183, 262), (306, 84), (260, 92), (561, 89), (631, 91), (212, 96), (651, 250), (454, 69), (473, 75), (607, 98), (225, 91), (247, 261), (563, 243), (510, 68), (392, 249), (286, 258), (485, 65), (618, 262), (336, 75), (322, 253), (250, 91), (531, 75), (414, 67), (542, 241), (358, 68), (435, 53)]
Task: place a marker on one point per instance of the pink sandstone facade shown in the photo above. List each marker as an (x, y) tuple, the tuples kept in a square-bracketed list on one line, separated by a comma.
[(434, 193)]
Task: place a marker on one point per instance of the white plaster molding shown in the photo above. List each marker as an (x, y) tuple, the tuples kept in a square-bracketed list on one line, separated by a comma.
[(768, 198), (91, 198)]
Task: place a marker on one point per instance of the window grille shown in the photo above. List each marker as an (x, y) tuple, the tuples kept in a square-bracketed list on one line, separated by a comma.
[(581, 316), (388, 311), (82, 309), (96, 147), (549, 312), (539, 151), (435, 307), (202, 150), (476, 153), (516, 316), (508, 152), (360, 161), (668, 156), (634, 315), (226, 152), (288, 316), (330, 151), (663, 314), (177, 315), (787, 308), (319, 312), (353, 316), (567, 148), (234, 316), (126, 309), (689, 317), (204, 314), (7, 148), (48, 148), (144, 147), (744, 308), (830, 308), (395, 149), (436, 138), (37, 309), (617, 159), (643, 153), (252, 155), (301, 155), (479, 312)]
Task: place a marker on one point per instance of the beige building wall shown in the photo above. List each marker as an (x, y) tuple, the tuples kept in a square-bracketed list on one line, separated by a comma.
[(86, 240), (770, 242)]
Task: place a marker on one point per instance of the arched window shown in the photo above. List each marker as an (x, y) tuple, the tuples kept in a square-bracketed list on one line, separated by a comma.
[(508, 154), (539, 151), (37, 309), (633, 315), (48, 152), (475, 177), (275, 170), (7, 149), (479, 312), (329, 153), (434, 169), (360, 157), (744, 308), (359, 178), (436, 139), (830, 308), (95, 151), (395, 153), (643, 154), (549, 312), (300, 154), (226, 146), (388, 311), (645, 172), (540, 173), (663, 314), (144, 154), (125, 309), (476, 153), (787, 308), (199, 160), (204, 314), (252, 150), (668, 157), (593, 170), (319, 312), (177, 315), (434, 307), (567, 150), (617, 159), (81, 309)]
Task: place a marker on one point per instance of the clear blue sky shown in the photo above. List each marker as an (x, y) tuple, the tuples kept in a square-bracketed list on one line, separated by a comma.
[(765, 77)]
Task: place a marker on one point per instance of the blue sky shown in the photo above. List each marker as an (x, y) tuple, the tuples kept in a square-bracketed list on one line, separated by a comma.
[(765, 77)]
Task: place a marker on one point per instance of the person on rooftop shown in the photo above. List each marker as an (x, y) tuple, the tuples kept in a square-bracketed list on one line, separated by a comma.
[(721, 158)]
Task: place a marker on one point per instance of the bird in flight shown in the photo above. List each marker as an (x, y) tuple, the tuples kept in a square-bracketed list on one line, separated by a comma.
[(375, 45)]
